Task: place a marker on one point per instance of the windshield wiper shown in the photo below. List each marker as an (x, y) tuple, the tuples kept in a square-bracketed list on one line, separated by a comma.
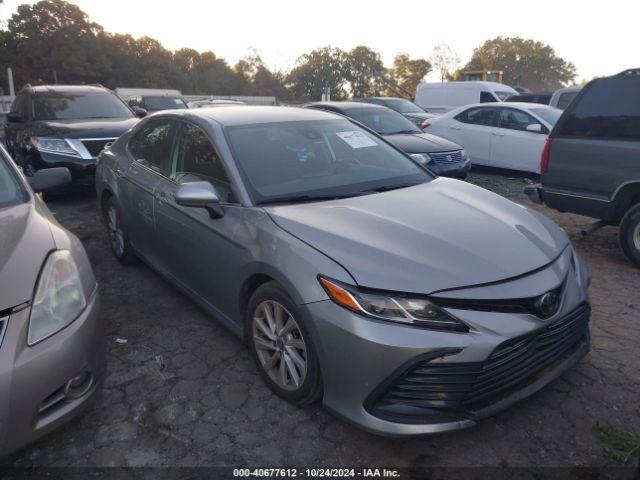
[(402, 131), (310, 198), (386, 188)]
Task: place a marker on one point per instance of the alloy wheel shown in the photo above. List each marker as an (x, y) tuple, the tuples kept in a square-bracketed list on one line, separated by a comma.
[(116, 235), (280, 346)]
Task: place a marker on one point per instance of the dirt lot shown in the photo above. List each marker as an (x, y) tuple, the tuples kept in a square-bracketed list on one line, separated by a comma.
[(184, 391)]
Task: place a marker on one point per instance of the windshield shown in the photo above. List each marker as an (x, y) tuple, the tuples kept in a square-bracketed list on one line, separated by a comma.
[(322, 158), (401, 105), (502, 96), (12, 191), (383, 121), (164, 103), (549, 115), (72, 106)]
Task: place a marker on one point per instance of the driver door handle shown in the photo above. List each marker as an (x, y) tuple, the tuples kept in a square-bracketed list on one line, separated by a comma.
[(455, 128), (496, 134)]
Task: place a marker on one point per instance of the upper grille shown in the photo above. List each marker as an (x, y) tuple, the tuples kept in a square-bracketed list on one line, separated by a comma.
[(94, 147), (471, 386), (446, 158)]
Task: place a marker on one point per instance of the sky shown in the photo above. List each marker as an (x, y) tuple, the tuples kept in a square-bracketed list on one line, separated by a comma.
[(600, 39)]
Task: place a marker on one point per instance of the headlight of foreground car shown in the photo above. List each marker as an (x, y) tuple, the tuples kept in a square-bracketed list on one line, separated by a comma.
[(399, 308), (59, 297), (53, 145), (465, 156)]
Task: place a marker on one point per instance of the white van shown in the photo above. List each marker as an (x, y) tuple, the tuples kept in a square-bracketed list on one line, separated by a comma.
[(442, 97)]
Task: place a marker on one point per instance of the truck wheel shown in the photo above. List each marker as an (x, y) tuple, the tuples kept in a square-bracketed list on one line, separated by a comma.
[(629, 235)]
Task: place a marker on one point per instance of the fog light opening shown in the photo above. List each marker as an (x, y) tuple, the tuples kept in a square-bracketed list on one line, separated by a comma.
[(78, 386)]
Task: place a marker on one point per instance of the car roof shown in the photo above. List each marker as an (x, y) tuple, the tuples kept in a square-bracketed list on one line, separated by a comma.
[(237, 115), (525, 105), (68, 89), (347, 106), (383, 98)]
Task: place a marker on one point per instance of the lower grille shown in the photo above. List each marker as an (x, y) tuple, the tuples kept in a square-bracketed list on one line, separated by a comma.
[(446, 158), (467, 387), (94, 147)]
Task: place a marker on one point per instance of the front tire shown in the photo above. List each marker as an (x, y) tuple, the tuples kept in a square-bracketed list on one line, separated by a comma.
[(118, 239), (282, 347), (629, 235)]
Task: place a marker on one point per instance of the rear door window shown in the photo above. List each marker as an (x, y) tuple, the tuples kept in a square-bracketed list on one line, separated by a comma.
[(151, 145), (484, 116), (487, 97), (608, 109), (565, 99)]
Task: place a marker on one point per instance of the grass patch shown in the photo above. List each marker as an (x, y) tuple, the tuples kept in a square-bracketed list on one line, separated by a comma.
[(621, 447)]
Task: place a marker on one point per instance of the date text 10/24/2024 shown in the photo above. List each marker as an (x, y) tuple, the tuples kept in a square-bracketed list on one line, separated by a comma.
[(316, 472)]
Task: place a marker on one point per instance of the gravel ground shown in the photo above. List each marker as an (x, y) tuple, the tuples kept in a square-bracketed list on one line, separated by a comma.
[(183, 391)]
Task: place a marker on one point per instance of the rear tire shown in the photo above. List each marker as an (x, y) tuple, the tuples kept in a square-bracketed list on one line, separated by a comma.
[(629, 235), (282, 347), (118, 239)]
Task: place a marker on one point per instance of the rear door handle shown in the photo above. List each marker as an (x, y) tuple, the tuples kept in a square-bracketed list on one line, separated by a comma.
[(497, 134), (455, 128)]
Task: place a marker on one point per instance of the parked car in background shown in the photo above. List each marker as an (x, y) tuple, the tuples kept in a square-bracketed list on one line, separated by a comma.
[(542, 98), (152, 99), (355, 275), (404, 107), (65, 126), (445, 96), (591, 162), (52, 340), (563, 97), (214, 103), (442, 156), (503, 135)]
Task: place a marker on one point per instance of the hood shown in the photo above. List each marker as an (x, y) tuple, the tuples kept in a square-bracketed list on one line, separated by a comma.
[(421, 143), (436, 236), (26, 239), (89, 128), (420, 116)]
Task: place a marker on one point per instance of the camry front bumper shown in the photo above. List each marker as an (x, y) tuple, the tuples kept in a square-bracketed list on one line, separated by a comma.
[(398, 380), (36, 395)]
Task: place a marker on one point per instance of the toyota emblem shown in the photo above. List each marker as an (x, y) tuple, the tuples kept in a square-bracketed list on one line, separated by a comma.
[(547, 305)]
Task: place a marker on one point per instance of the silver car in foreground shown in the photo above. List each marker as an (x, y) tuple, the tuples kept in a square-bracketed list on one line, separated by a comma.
[(51, 336), (409, 304)]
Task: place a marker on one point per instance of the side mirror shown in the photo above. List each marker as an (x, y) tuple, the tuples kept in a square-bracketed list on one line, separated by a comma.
[(200, 195), (14, 117), (49, 179), (139, 112), (535, 128), (420, 158)]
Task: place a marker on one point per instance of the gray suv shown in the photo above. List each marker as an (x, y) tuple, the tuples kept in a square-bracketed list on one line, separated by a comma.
[(590, 164)]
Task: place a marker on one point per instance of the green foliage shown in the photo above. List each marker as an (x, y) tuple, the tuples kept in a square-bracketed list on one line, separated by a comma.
[(526, 63), (320, 68), (622, 447), (406, 74)]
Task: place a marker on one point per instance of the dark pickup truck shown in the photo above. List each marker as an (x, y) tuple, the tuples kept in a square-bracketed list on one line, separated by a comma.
[(590, 164)]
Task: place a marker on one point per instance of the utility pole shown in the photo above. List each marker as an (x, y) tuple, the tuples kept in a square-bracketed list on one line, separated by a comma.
[(12, 91)]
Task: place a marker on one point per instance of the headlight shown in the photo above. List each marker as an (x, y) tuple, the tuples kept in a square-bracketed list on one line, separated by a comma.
[(53, 145), (59, 297), (421, 158), (463, 152), (407, 309)]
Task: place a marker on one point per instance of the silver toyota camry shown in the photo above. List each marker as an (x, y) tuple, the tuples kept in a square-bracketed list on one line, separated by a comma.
[(52, 344), (408, 304)]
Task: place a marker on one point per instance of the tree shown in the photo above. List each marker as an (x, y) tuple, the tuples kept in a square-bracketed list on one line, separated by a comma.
[(406, 74), (526, 63), (317, 69), (50, 40), (363, 71), (445, 60)]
